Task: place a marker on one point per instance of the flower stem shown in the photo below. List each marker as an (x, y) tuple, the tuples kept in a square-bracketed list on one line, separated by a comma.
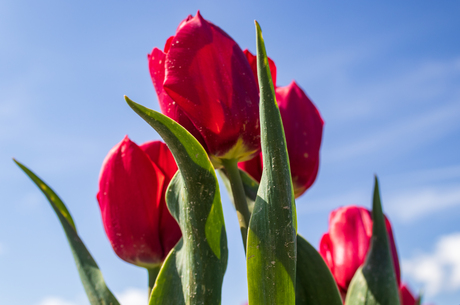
[(153, 273), (239, 197)]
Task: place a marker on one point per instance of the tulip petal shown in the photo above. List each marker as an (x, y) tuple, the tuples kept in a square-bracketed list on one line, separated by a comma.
[(406, 296), (209, 77), (161, 157), (303, 127), (326, 250), (253, 167), (252, 59), (90, 275), (169, 108)]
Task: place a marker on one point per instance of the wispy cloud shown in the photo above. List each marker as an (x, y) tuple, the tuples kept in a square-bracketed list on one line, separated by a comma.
[(429, 175), (131, 296), (358, 197), (437, 271), (407, 133), (427, 82), (55, 301), (416, 203), (411, 196)]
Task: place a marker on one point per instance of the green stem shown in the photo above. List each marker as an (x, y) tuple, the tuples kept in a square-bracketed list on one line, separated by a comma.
[(239, 197), (153, 273)]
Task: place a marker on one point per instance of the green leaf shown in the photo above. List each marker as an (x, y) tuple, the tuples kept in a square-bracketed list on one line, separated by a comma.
[(193, 271), (375, 282), (97, 291), (272, 242), (315, 284)]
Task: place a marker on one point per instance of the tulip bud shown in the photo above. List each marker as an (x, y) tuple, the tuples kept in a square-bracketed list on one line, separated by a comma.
[(303, 129), (131, 196), (345, 246), (204, 82)]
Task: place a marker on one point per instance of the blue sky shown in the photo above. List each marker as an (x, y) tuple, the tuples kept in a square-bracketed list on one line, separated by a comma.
[(384, 75)]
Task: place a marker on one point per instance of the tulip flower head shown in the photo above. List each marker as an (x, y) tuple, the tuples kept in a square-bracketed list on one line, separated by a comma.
[(204, 82), (345, 246), (131, 196)]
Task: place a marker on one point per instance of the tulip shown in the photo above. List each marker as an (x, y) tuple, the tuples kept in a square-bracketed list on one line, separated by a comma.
[(345, 246), (204, 82), (303, 128), (132, 187)]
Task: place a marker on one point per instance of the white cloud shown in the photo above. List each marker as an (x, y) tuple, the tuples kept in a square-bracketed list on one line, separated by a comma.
[(55, 301), (416, 203), (131, 296), (437, 271)]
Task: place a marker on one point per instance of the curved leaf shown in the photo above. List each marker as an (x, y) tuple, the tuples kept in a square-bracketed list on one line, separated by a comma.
[(315, 284), (271, 247), (375, 282), (97, 291), (193, 271)]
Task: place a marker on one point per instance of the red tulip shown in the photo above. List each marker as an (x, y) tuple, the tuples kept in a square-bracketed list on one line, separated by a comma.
[(203, 81), (131, 196), (344, 247), (303, 128)]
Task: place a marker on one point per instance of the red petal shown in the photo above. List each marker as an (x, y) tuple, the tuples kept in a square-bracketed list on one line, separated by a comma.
[(303, 128), (406, 296), (167, 105), (129, 197), (394, 252), (209, 77), (350, 242), (252, 59), (326, 250), (253, 167), (160, 155)]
